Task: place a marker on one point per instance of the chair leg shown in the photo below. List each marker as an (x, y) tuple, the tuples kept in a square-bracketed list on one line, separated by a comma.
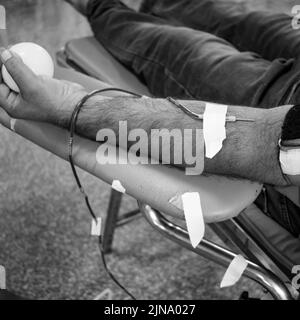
[(111, 220)]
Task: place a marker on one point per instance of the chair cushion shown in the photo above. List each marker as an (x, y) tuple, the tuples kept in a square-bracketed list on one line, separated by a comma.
[(90, 56), (274, 239)]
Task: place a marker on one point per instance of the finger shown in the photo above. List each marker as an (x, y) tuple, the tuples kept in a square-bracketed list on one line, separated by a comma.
[(1, 64), (4, 91), (8, 99), (1, 79), (4, 118), (4, 104), (22, 75), (4, 94)]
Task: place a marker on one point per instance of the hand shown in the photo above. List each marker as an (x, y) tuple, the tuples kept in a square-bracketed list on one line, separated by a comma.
[(41, 98)]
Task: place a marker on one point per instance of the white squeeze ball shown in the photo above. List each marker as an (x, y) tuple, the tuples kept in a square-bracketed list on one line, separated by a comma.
[(35, 57)]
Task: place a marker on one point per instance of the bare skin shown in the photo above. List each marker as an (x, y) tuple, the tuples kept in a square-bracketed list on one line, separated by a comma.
[(250, 150)]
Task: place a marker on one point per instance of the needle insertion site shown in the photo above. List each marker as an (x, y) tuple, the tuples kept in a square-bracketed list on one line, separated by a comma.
[(200, 116)]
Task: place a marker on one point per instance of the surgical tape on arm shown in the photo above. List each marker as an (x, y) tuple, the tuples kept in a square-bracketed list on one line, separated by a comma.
[(214, 122), (290, 161)]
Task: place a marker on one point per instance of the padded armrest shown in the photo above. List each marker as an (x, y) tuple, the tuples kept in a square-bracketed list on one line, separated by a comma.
[(222, 198), (94, 60), (88, 55)]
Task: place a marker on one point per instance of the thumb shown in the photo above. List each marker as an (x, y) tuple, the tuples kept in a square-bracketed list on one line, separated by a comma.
[(21, 74)]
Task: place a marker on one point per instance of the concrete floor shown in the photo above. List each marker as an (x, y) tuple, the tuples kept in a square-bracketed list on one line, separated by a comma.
[(44, 225)]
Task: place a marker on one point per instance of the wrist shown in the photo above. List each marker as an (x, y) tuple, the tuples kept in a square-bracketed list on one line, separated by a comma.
[(62, 115), (89, 117)]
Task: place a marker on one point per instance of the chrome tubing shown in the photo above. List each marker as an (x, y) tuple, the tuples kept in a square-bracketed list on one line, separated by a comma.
[(216, 253)]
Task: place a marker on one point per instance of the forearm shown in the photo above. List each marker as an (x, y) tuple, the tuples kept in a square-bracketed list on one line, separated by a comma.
[(249, 151)]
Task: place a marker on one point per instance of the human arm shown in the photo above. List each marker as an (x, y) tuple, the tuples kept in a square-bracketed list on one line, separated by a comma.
[(250, 150)]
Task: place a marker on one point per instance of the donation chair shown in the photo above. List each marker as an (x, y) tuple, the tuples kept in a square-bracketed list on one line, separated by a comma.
[(271, 251)]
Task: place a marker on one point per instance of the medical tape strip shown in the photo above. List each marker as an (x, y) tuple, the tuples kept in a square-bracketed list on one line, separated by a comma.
[(117, 185), (234, 272), (290, 161), (190, 203), (96, 228), (214, 122), (2, 18), (2, 278), (13, 124)]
